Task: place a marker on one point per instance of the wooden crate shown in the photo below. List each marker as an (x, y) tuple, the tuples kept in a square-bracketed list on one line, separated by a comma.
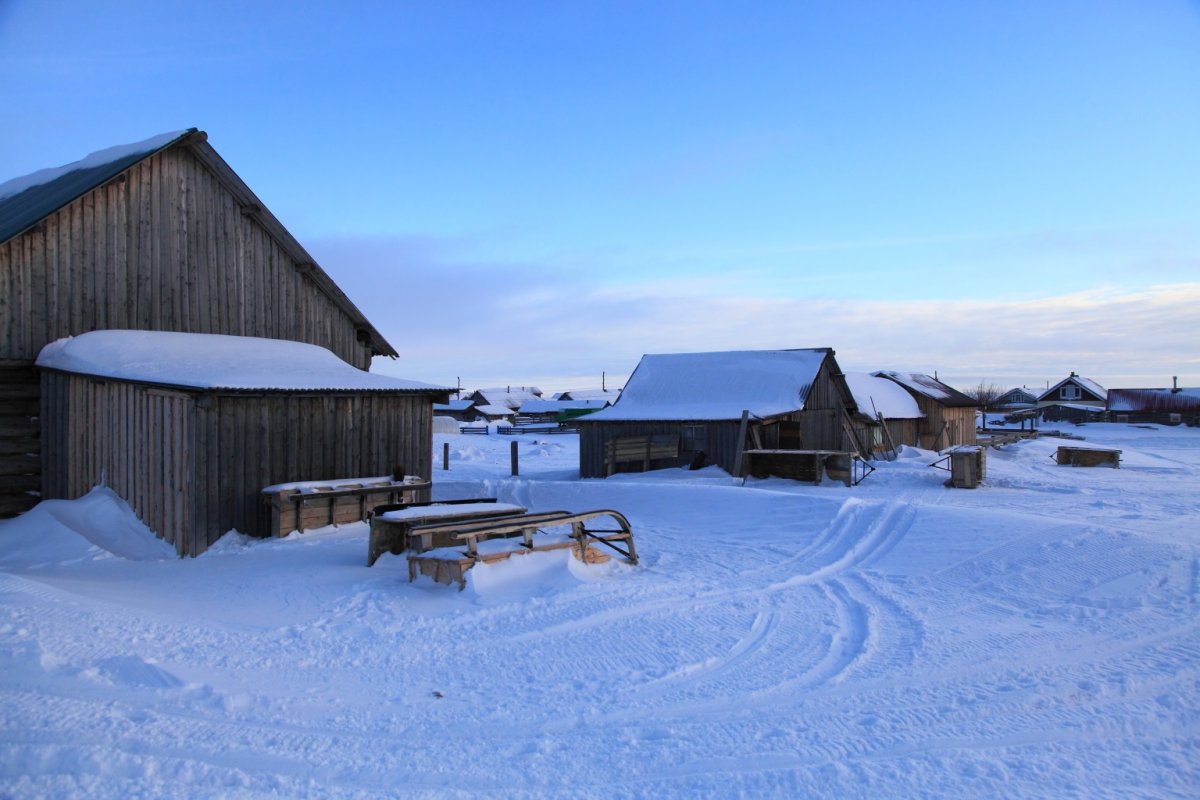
[(968, 467), (315, 507)]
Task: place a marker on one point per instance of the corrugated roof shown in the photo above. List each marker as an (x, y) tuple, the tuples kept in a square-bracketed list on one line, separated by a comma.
[(30, 198), (716, 386), (215, 361), (928, 386), (1183, 401)]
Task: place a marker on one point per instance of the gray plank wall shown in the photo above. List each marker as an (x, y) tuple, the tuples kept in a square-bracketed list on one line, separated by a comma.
[(192, 466), (166, 248)]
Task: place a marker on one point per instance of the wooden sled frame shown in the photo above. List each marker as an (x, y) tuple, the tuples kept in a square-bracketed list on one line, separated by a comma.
[(471, 532)]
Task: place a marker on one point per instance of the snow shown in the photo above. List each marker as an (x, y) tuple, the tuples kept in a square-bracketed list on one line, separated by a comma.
[(716, 386), (1035, 637), (17, 185), (873, 395), (213, 361)]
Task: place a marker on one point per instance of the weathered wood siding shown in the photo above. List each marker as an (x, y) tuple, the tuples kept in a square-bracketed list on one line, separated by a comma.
[(818, 427), (165, 246), (958, 424), (135, 439), (192, 465)]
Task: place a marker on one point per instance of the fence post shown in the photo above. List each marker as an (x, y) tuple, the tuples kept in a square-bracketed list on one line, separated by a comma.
[(513, 451), (445, 455)]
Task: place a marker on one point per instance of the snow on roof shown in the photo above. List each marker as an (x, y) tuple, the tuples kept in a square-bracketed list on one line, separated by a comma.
[(29, 198), (495, 410), (716, 386), (510, 396), (554, 406), (928, 386), (98, 159), (214, 361), (1086, 384), (609, 395), (453, 405), (873, 394)]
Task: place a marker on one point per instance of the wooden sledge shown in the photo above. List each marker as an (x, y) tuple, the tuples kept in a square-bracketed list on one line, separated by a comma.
[(392, 524), (449, 565)]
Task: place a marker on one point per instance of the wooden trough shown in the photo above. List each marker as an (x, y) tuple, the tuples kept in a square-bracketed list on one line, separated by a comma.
[(313, 504), (1088, 456), (499, 538)]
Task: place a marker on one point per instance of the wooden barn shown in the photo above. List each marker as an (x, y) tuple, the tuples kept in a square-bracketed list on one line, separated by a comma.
[(190, 427), (948, 414), (691, 408), (888, 415), (158, 236)]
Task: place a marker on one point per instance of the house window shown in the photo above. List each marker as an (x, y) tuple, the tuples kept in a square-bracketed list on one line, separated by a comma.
[(693, 438), (1069, 393)]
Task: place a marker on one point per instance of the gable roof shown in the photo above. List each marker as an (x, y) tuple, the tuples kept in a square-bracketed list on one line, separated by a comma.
[(1097, 391), (215, 361), (716, 386), (26, 200), (510, 397), (930, 387), (873, 394)]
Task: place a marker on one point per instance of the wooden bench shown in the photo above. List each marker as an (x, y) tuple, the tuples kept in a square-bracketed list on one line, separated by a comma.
[(450, 565), (640, 449), (391, 524), (1088, 456), (313, 504)]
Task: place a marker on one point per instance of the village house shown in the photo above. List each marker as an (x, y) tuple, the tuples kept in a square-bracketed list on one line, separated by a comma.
[(163, 236), (716, 408), (1073, 399), (1168, 406)]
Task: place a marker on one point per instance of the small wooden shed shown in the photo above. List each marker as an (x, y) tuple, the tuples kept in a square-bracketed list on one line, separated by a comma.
[(189, 428), (689, 409), (949, 415)]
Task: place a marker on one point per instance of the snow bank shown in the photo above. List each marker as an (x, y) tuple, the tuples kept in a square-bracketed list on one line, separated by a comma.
[(98, 525)]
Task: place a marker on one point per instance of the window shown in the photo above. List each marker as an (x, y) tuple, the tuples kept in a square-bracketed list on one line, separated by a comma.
[(693, 438), (1069, 393)]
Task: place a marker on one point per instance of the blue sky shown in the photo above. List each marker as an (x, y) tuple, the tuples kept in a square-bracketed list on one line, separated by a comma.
[(541, 192)]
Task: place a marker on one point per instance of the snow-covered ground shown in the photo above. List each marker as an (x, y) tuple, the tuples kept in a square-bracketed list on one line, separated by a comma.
[(1036, 637)]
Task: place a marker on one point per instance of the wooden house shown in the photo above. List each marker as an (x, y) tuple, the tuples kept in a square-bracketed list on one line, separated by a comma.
[(157, 236), (189, 428), (1075, 390), (1171, 406), (1016, 399), (1073, 399), (888, 415), (948, 414), (710, 408), (509, 396)]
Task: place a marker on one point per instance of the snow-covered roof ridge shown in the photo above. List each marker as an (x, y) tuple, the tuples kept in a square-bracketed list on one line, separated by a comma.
[(215, 361), (716, 386), (1087, 384), (874, 394)]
